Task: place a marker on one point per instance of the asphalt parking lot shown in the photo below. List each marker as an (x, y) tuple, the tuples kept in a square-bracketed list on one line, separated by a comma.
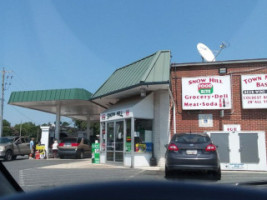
[(43, 174)]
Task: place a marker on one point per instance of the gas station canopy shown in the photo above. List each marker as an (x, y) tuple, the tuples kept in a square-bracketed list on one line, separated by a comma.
[(73, 103), (143, 76)]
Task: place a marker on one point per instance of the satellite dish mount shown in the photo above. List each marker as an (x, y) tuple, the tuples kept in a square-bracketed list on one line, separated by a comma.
[(206, 54)]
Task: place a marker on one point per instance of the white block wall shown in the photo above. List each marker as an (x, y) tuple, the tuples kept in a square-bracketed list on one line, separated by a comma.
[(160, 125)]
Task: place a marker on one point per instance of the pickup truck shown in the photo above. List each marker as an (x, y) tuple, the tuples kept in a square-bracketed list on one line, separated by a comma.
[(12, 146)]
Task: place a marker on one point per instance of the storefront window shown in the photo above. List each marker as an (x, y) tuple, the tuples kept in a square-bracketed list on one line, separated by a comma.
[(143, 135), (128, 144)]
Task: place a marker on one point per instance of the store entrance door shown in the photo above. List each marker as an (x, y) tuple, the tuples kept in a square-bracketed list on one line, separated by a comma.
[(115, 141)]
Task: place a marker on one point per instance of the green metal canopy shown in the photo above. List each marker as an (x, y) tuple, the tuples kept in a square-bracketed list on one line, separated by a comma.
[(49, 95), (74, 103), (150, 73)]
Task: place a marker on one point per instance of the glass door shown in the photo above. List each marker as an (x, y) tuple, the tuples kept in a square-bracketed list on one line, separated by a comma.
[(115, 140), (119, 141), (110, 141)]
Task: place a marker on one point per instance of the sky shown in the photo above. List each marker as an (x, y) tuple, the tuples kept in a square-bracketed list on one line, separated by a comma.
[(58, 44)]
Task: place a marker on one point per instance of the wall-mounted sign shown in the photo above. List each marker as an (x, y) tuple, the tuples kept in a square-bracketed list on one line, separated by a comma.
[(206, 93), (231, 127), (254, 91), (205, 120), (114, 115)]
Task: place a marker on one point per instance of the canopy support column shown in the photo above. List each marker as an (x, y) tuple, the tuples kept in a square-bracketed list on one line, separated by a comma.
[(88, 132), (132, 142), (57, 131)]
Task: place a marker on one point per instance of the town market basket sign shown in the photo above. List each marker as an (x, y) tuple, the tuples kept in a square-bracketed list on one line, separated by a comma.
[(254, 91), (206, 93)]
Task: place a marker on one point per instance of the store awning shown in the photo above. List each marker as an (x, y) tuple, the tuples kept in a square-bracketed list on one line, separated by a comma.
[(74, 103)]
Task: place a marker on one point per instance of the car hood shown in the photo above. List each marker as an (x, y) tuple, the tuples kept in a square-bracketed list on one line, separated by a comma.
[(5, 144)]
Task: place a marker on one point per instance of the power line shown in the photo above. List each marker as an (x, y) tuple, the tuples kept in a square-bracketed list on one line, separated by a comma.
[(21, 113), (25, 84)]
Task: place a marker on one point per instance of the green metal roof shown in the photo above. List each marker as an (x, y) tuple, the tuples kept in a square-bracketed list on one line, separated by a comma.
[(73, 103), (49, 95), (153, 69)]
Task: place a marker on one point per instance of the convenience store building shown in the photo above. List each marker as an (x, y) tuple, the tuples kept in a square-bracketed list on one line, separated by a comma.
[(141, 105), (132, 107)]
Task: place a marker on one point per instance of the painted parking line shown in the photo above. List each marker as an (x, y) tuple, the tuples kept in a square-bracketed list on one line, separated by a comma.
[(80, 165)]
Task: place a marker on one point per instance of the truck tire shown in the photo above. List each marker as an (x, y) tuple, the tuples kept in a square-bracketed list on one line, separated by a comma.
[(82, 155), (9, 155)]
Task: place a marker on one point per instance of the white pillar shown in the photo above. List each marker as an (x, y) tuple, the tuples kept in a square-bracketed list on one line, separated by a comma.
[(132, 142), (45, 138), (57, 131), (88, 132)]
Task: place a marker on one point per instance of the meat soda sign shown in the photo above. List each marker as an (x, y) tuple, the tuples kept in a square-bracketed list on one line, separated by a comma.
[(206, 93), (254, 91)]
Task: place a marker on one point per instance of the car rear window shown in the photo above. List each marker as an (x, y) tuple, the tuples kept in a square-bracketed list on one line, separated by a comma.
[(69, 140), (191, 138)]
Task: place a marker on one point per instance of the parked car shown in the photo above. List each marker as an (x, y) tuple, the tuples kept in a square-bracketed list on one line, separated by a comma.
[(78, 147), (192, 151), (11, 147)]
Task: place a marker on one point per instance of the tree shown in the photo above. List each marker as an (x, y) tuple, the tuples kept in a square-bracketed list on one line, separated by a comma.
[(7, 130), (46, 124), (65, 124), (95, 127), (81, 125), (28, 129)]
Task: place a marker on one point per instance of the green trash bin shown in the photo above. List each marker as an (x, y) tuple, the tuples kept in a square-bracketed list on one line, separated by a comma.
[(96, 153)]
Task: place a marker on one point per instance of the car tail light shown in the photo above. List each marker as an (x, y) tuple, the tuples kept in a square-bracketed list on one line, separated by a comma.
[(61, 144), (173, 147), (211, 147), (74, 144)]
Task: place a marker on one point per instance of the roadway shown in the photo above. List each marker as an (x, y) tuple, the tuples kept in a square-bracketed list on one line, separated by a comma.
[(46, 174)]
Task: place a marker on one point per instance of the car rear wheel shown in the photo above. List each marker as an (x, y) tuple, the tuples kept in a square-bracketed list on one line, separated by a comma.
[(8, 155), (217, 175), (168, 173), (81, 155), (14, 157)]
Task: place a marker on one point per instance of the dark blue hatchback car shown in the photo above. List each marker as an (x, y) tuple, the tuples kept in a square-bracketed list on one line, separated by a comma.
[(192, 151)]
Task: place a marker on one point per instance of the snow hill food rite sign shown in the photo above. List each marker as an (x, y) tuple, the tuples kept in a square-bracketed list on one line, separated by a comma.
[(206, 93), (254, 91)]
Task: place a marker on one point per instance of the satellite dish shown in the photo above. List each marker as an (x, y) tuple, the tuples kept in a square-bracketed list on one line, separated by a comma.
[(205, 52)]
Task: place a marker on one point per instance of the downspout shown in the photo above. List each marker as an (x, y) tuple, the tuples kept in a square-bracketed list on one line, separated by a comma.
[(173, 111)]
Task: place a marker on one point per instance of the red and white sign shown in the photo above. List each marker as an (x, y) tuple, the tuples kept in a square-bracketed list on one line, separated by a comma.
[(206, 93), (231, 127), (254, 91)]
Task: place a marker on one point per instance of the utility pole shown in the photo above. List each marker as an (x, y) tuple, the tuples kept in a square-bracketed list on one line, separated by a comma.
[(20, 130), (2, 98)]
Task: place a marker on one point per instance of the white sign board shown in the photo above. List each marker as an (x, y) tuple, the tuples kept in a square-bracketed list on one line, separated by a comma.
[(254, 91), (115, 115), (231, 127), (205, 120), (206, 93)]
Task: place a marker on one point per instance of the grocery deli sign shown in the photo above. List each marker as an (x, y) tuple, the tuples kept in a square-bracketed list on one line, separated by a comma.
[(206, 93), (254, 91)]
